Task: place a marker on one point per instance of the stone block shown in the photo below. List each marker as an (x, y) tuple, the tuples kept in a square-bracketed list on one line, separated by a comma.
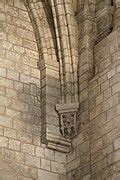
[(19, 157), (109, 103), (19, 4), (116, 88), (82, 149), (107, 150), (116, 177), (2, 110), (28, 148), (107, 93), (60, 157), (99, 99), (109, 126), (14, 144), (23, 33), (52, 129), (111, 73), (116, 156), (87, 177), (10, 133), (111, 113), (110, 137), (13, 114), (5, 121), (12, 75), (45, 164), (115, 79), (83, 95), (70, 156), (8, 154), (29, 44), (11, 93), (33, 129), (42, 174), (31, 54), (73, 165), (8, 177), (105, 86), (97, 156), (40, 152), (36, 140), (3, 141), (1, 131), (4, 101), (6, 83), (58, 168), (19, 106), (118, 69), (95, 112), (94, 92), (33, 89), (49, 154), (118, 109), (32, 161), (2, 16), (63, 177), (35, 73), (24, 137), (14, 40), (3, 72), (96, 146), (117, 144), (19, 125), (18, 86)]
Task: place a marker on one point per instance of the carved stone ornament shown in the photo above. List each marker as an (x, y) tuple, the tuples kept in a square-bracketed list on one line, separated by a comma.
[(68, 119)]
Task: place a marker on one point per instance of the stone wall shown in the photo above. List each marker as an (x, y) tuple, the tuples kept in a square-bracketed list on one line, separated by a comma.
[(22, 155), (104, 110), (35, 34), (96, 149)]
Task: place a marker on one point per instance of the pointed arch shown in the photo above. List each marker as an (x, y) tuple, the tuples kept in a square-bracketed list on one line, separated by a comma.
[(43, 25)]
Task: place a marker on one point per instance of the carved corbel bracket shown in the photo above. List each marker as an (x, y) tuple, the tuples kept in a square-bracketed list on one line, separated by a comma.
[(68, 119)]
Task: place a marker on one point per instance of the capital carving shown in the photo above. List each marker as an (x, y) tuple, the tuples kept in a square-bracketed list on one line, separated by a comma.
[(68, 119)]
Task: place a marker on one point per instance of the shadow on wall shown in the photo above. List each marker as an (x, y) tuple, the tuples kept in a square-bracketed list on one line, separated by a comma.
[(10, 170), (6, 172), (28, 130), (31, 115)]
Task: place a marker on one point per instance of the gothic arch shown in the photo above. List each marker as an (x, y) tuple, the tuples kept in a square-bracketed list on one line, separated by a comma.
[(39, 12), (56, 33)]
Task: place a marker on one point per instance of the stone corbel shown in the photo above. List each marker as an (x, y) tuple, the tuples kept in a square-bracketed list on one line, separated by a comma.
[(68, 119)]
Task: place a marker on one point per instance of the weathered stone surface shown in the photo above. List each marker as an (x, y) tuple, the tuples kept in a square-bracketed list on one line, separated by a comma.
[(54, 52)]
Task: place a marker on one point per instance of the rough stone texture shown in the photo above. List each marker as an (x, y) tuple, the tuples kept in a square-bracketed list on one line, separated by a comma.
[(22, 155), (94, 156), (59, 53)]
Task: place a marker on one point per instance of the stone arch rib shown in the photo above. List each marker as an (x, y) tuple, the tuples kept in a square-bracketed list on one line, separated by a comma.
[(67, 38), (39, 12)]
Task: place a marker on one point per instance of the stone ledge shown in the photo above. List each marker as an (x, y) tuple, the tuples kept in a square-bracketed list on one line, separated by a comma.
[(58, 143), (68, 107)]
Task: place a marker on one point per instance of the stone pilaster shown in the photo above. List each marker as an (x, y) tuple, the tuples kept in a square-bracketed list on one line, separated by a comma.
[(50, 93)]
